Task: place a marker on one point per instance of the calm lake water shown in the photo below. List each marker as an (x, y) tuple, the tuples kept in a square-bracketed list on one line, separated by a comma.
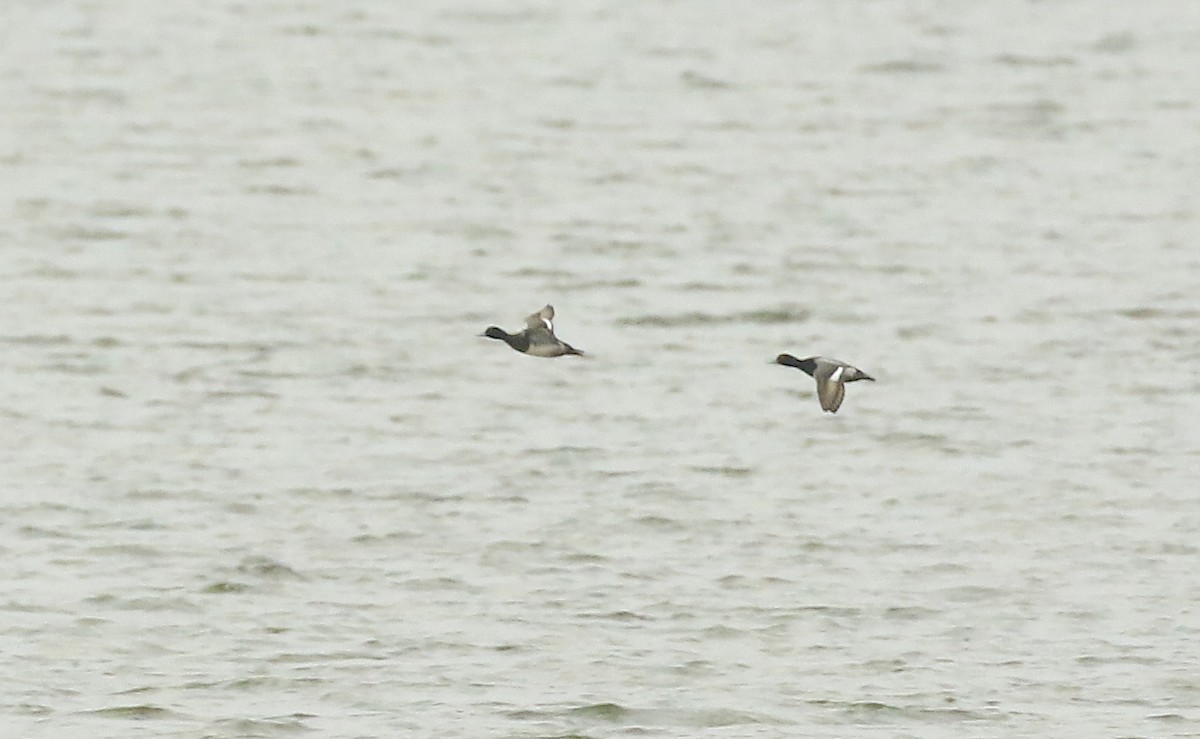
[(261, 477)]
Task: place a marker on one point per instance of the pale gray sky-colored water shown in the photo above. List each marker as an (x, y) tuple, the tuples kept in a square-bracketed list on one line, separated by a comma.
[(260, 475)]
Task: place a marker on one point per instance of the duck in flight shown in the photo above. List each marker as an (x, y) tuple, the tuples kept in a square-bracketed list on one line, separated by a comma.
[(537, 339), (831, 376)]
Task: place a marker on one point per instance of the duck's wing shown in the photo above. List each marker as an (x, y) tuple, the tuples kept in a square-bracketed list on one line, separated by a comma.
[(542, 319), (830, 394), (830, 389)]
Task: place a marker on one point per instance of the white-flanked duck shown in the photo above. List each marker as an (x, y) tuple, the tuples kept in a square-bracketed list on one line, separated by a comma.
[(831, 376), (537, 339)]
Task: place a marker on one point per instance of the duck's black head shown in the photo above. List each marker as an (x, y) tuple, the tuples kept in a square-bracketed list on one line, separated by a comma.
[(808, 364), (520, 341)]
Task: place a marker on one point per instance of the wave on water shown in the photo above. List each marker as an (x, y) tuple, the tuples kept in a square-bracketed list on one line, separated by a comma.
[(782, 314)]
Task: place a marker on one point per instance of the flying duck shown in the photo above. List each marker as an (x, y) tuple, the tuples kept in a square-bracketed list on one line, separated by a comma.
[(831, 376), (537, 339)]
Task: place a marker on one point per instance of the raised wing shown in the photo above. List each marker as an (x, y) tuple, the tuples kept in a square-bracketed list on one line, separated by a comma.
[(542, 319)]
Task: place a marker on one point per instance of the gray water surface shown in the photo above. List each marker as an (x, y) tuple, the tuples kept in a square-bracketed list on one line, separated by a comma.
[(262, 478)]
